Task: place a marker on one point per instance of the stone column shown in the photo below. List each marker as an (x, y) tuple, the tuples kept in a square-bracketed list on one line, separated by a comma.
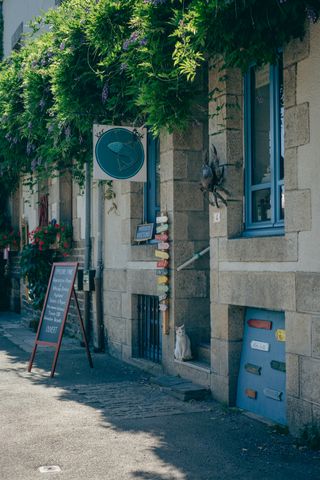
[(225, 133), (181, 157)]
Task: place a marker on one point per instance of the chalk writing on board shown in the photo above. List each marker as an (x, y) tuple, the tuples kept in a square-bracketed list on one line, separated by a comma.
[(57, 303)]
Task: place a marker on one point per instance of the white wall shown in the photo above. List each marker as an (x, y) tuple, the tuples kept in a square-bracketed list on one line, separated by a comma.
[(17, 11)]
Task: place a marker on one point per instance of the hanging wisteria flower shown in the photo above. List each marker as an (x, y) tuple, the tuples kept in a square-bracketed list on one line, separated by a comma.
[(143, 42), (34, 164), (105, 92), (67, 131), (133, 38), (311, 14), (155, 2), (123, 67), (42, 103), (62, 46), (30, 148)]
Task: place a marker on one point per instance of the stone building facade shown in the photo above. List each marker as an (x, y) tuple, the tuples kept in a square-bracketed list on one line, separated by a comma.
[(270, 275)]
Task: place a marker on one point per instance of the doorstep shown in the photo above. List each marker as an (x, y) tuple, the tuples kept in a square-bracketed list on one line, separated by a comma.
[(181, 388)]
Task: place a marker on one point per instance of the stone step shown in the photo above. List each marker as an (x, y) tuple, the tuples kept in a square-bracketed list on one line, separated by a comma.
[(182, 389)]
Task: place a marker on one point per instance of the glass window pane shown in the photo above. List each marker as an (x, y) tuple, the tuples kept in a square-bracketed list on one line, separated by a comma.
[(281, 113), (282, 199), (261, 208), (261, 125)]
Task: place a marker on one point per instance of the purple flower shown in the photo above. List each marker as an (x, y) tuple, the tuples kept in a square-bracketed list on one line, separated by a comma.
[(34, 63), (143, 42), (105, 92), (8, 137), (62, 46), (29, 148), (125, 45), (42, 103), (133, 38), (155, 2), (67, 131), (34, 164), (123, 67), (312, 15), (43, 62)]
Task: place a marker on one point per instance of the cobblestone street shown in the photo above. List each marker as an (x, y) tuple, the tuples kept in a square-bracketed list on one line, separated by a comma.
[(111, 422)]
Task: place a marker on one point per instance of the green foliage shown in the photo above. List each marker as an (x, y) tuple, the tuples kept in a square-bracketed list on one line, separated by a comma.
[(124, 62), (38, 256)]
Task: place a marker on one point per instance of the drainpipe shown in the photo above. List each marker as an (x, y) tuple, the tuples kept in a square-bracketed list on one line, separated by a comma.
[(99, 272), (87, 250)]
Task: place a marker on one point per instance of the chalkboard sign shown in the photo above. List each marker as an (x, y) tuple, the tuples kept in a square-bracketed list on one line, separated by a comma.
[(57, 302), (144, 232), (55, 311)]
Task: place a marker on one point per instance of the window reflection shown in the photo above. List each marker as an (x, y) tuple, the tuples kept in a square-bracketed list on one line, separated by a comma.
[(261, 125), (261, 207)]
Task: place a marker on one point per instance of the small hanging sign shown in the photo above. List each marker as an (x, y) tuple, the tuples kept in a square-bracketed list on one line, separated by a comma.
[(263, 346), (163, 246), (251, 393), (162, 264), (251, 368), (162, 237), (280, 335), (162, 228), (162, 271), (161, 254), (265, 324), (144, 232), (163, 307), (162, 279), (280, 366), (162, 219), (273, 394), (163, 288), (162, 297)]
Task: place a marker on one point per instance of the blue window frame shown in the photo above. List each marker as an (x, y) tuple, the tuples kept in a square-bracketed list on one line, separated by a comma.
[(152, 186), (264, 151)]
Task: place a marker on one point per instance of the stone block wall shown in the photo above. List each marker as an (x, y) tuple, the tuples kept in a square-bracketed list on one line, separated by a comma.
[(181, 157), (276, 273)]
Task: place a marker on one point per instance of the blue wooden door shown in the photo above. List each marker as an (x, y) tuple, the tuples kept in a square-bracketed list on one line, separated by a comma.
[(262, 376)]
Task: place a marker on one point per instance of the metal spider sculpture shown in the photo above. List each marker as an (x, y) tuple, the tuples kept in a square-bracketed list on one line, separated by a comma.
[(212, 179)]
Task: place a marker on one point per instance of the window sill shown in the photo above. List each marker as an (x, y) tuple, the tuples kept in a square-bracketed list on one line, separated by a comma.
[(264, 232)]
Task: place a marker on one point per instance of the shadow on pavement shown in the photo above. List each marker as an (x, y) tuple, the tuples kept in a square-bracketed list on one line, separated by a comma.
[(197, 440)]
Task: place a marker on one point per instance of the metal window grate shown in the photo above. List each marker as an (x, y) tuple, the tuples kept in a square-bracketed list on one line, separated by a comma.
[(149, 328)]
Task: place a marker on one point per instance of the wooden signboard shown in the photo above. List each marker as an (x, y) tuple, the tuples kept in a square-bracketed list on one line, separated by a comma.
[(55, 311)]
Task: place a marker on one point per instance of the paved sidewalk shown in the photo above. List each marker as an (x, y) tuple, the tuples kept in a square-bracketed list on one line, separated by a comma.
[(112, 422)]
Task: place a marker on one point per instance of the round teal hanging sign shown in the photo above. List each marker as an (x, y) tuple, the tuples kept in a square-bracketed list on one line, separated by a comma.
[(119, 153)]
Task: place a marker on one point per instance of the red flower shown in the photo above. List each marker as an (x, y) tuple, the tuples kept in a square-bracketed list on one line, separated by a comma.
[(65, 245)]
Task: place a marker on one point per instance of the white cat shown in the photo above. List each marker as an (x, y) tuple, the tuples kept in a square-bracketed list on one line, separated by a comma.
[(182, 350)]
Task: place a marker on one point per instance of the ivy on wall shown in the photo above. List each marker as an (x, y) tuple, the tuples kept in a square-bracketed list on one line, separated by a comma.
[(124, 62)]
